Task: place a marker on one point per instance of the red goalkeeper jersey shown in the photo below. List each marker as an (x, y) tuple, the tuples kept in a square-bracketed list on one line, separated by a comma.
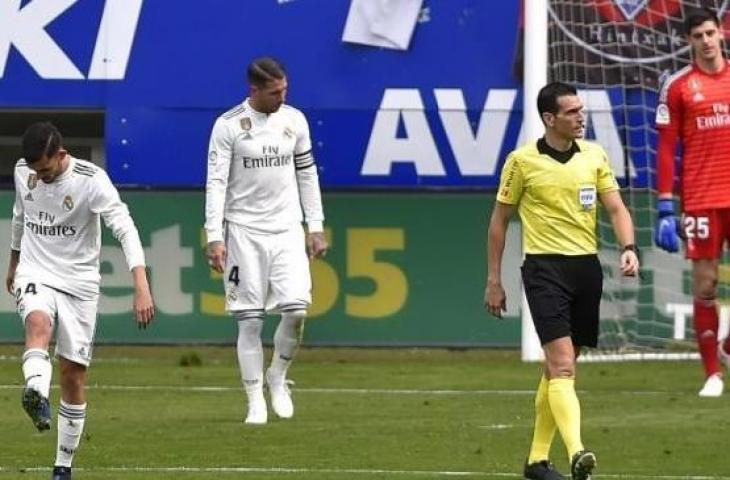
[(694, 107)]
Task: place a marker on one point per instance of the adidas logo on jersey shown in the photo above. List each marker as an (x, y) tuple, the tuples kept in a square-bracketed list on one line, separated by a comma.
[(29, 197)]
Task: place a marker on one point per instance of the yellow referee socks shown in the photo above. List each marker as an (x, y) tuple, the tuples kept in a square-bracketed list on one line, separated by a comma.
[(545, 426), (566, 412)]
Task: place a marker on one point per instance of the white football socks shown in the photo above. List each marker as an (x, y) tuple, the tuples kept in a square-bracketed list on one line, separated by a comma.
[(250, 353), (286, 341), (70, 427), (37, 370)]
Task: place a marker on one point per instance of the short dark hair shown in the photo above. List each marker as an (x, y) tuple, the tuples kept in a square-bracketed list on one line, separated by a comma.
[(40, 140), (263, 70), (547, 98), (697, 16)]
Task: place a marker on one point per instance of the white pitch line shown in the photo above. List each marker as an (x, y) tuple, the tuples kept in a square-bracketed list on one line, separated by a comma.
[(16, 358), (360, 391), (354, 391), (347, 471), (498, 426)]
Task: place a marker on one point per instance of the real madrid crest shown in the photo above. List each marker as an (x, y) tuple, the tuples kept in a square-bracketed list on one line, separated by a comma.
[(68, 203), (232, 294), (32, 181)]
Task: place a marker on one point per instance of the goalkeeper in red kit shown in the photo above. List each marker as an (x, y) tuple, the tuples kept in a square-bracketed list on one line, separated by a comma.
[(694, 109)]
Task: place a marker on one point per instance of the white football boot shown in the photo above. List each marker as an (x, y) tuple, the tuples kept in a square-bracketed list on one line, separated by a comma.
[(280, 395), (257, 411), (714, 386)]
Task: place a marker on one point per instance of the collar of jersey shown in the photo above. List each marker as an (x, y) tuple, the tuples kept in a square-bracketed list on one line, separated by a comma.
[(67, 172), (253, 111), (696, 68), (557, 155)]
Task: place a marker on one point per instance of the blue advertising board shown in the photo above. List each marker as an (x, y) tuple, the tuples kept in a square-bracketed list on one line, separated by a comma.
[(164, 70), (442, 113)]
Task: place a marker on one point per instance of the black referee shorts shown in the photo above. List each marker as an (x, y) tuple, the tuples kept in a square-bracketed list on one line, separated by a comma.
[(564, 294)]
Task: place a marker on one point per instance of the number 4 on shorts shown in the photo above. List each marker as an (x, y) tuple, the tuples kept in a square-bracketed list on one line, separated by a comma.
[(233, 276)]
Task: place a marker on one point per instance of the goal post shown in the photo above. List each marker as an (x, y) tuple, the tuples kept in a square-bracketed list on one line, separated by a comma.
[(618, 53), (535, 77)]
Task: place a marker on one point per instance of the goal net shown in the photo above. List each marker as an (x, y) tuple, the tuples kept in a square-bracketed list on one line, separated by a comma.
[(618, 53)]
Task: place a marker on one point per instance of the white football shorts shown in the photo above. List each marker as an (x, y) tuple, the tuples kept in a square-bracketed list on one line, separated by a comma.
[(266, 271), (73, 318)]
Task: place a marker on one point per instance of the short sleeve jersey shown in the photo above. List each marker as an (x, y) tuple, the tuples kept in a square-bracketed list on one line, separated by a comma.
[(557, 201)]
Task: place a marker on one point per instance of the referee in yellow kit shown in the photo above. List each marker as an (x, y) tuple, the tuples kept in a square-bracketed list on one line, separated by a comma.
[(555, 184)]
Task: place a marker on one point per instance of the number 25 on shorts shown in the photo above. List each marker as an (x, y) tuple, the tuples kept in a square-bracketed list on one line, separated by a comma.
[(696, 227)]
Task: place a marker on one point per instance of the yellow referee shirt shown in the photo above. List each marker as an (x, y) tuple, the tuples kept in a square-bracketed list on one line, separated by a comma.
[(557, 200)]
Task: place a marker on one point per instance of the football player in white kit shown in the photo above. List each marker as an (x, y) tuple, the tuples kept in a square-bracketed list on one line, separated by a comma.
[(54, 275), (261, 175)]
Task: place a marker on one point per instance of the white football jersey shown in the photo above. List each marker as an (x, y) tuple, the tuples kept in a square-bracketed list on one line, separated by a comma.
[(56, 226), (261, 172)]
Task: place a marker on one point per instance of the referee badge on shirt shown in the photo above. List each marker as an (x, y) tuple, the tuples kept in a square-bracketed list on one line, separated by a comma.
[(587, 196), (68, 203)]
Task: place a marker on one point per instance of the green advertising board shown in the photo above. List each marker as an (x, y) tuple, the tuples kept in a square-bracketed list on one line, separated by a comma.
[(403, 270)]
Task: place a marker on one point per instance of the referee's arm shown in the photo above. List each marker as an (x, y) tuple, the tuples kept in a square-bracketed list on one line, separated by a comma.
[(623, 226), (495, 299)]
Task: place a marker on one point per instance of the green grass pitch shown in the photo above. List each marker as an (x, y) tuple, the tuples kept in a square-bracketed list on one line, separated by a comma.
[(177, 412)]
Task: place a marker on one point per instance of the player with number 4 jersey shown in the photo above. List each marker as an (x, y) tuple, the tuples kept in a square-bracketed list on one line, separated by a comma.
[(261, 178), (694, 109)]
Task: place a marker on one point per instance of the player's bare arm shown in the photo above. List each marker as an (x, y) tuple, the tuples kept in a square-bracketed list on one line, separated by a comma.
[(495, 298), (216, 253), (144, 307), (12, 266), (623, 226), (317, 244)]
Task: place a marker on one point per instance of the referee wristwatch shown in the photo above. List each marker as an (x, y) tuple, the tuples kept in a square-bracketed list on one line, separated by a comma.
[(631, 247)]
